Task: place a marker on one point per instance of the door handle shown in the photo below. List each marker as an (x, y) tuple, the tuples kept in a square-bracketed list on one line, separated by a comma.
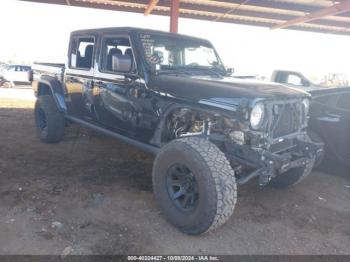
[(70, 79), (89, 84)]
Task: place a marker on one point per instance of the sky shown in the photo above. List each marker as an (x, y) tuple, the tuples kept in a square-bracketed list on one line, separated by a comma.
[(40, 32)]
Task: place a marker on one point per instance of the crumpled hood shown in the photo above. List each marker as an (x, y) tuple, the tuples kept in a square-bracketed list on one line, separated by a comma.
[(198, 88)]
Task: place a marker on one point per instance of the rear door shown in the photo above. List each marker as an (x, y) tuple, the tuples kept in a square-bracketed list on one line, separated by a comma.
[(78, 76)]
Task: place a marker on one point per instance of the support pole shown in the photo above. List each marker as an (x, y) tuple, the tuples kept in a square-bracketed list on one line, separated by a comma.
[(174, 15)]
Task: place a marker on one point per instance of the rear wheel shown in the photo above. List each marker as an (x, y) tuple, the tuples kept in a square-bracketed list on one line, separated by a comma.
[(194, 185), (49, 120), (7, 84)]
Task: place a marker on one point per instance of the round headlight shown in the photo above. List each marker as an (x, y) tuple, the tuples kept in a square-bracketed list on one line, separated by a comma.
[(257, 116), (306, 105)]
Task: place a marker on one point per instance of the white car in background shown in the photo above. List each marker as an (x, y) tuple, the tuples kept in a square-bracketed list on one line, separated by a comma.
[(16, 74)]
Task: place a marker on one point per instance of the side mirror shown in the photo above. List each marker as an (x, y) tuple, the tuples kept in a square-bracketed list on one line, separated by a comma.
[(121, 63), (230, 71)]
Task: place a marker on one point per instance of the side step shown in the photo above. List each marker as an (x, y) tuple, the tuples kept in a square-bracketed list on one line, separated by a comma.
[(145, 147)]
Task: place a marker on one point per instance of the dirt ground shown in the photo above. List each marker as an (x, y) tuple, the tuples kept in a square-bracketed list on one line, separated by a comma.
[(91, 194)]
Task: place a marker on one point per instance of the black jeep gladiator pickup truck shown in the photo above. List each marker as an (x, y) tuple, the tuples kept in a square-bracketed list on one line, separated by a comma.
[(171, 95)]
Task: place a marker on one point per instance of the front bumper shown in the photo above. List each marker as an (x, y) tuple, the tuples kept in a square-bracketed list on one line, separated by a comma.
[(268, 165)]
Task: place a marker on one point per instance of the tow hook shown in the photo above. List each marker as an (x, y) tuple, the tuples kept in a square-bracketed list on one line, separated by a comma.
[(264, 178)]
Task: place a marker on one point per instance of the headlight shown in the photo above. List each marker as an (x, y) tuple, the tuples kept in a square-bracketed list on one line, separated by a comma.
[(306, 105), (257, 116)]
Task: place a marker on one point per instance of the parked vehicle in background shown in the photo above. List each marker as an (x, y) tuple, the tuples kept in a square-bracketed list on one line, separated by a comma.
[(170, 95), (16, 74), (293, 79), (330, 122), (299, 80)]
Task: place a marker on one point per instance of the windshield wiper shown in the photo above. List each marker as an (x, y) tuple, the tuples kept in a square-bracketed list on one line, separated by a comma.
[(189, 70), (174, 71), (210, 70)]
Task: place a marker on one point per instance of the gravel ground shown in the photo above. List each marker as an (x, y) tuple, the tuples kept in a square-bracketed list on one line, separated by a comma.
[(92, 195)]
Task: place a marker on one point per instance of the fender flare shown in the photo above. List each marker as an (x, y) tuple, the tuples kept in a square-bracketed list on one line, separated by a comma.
[(56, 89)]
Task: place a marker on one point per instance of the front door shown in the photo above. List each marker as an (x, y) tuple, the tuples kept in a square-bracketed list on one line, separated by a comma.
[(114, 86)]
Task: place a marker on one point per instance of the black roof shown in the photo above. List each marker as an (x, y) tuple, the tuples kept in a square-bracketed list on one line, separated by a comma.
[(133, 30)]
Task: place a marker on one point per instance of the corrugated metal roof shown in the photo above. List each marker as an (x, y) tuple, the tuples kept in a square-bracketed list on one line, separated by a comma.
[(267, 13)]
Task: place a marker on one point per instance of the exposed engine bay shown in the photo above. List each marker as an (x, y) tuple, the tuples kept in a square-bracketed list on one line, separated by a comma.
[(186, 122)]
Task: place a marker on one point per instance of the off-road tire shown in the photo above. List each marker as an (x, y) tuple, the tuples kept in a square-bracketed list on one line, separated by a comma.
[(217, 188), (292, 176), (53, 132)]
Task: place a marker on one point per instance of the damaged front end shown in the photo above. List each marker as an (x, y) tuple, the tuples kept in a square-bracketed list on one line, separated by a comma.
[(260, 138), (272, 141), (267, 165)]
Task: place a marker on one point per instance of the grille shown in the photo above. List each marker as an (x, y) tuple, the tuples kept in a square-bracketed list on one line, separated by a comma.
[(286, 119)]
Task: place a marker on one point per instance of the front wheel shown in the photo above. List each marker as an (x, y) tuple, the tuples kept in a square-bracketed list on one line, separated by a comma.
[(194, 185), (48, 119)]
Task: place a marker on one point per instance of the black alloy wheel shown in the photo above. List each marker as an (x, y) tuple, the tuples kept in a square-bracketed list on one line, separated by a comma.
[(182, 187)]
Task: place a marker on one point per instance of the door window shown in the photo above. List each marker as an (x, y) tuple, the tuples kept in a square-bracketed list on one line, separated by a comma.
[(81, 56), (117, 55)]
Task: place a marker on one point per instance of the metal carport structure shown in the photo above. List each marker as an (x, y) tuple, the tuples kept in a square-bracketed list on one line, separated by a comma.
[(307, 15)]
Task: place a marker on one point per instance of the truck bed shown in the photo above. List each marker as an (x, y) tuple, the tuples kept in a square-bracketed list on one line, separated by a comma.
[(55, 70)]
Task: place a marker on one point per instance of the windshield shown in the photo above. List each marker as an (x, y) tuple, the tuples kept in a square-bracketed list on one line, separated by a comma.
[(168, 52)]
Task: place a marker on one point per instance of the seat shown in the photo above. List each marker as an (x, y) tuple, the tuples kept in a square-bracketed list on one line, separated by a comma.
[(129, 53), (86, 60), (112, 51), (121, 63), (88, 56)]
